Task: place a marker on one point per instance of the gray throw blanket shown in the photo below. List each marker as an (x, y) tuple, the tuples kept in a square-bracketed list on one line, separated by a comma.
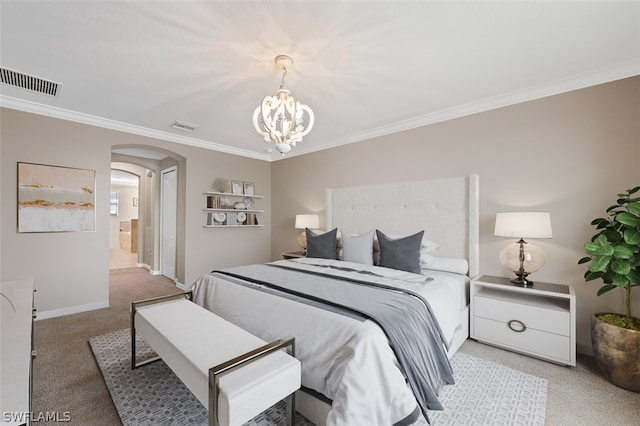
[(404, 316)]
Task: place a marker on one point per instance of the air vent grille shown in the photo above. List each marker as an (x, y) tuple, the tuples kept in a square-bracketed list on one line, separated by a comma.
[(28, 82), (181, 125)]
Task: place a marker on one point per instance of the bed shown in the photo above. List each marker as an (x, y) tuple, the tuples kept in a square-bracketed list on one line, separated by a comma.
[(356, 368)]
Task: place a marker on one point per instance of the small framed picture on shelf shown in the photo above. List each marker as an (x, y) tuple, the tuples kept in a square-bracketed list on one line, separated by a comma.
[(237, 187), (249, 188)]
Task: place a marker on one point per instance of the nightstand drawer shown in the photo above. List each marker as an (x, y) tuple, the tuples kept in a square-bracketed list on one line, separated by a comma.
[(538, 320), (538, 313), (530, 341)]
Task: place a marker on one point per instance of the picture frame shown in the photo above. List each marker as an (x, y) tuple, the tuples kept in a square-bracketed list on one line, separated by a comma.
[(249, 188), (55, 198), (237, 187)]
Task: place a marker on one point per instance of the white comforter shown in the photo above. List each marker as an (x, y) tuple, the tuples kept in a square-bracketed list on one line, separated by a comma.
[(346, 359)]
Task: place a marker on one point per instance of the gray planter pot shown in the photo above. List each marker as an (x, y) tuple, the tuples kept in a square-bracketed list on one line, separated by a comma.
[(617, 353)]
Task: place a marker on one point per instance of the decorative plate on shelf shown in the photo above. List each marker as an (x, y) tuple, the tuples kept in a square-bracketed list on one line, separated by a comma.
[(249, 203), (220, 217), (241, 217)]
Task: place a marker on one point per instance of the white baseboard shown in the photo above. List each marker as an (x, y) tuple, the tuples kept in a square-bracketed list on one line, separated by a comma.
[(71, 310), (152, 272), (92, 306), (147, 267)]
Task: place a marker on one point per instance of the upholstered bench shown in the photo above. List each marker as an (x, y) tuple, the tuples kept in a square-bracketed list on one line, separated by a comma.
[(232, 372)]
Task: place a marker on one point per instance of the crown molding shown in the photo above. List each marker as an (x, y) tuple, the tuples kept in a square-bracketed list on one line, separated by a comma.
[(582, 81), (63, 114)]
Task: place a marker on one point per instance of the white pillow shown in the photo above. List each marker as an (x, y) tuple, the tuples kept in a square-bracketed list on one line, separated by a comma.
[(426, 258), (358, 248), (445, 264)]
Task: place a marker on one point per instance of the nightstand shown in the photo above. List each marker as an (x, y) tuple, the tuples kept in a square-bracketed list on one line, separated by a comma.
[(293, 255), (539, 321)]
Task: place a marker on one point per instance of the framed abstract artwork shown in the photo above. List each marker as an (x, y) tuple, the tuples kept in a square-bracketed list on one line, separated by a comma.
[(55, 198)]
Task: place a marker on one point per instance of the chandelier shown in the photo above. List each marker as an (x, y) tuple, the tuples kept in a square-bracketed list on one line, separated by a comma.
[(279, 118)]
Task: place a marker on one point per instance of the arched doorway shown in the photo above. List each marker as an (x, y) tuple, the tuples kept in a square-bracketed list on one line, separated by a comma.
[(123, 223), (150, 162)]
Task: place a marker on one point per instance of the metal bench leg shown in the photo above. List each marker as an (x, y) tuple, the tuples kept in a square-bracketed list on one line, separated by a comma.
[(134, 305), (290, 407), (227, 367)]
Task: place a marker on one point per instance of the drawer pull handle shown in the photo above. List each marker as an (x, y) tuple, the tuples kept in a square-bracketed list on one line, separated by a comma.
[(519, 326)]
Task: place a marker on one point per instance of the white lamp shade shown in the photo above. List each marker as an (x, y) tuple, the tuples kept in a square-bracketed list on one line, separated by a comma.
[(311, 221), (523, 225)]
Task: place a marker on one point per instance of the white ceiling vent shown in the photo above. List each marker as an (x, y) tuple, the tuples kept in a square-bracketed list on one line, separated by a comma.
[(28, 82), (181, 125)]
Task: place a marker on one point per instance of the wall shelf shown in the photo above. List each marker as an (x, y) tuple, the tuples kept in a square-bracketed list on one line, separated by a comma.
[(233, 210), (221, 214), (232, 226), (228, 194)]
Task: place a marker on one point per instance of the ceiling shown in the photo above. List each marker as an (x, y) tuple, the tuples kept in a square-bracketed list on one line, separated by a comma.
[(365, 68), (121, 177)]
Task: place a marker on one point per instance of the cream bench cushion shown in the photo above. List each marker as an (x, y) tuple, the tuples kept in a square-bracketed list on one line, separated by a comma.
[(191, 340)]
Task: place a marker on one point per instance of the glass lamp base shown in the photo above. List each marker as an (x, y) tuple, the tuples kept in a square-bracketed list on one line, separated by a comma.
[(522, 259), (302, 241)]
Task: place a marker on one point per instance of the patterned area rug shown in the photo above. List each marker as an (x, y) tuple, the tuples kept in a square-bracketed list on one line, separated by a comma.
[(485, 393)]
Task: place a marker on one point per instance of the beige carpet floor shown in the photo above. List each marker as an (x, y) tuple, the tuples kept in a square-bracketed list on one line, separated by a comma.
[(67, 380)]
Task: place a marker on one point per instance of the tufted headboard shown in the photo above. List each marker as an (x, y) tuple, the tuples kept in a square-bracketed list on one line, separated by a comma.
[(446, 209)]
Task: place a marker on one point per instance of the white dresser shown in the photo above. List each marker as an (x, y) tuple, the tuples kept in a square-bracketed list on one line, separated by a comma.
[(539, 320), (16, 350)]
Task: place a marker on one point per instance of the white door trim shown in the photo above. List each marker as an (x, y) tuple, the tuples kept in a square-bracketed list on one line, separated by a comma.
[(168, 211)]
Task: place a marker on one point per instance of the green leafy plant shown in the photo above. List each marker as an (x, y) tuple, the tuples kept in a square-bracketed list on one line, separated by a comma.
[(614, 253)]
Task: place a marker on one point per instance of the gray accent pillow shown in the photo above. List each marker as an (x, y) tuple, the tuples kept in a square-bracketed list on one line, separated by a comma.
[(401, 253), (358, 248), (323, 245)]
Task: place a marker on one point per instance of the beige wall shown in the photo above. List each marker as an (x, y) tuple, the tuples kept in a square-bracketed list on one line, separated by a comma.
[(71, 269), (567, 154)]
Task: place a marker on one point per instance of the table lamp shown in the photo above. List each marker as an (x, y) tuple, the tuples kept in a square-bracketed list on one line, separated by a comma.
[(521, 257), (303, 221)]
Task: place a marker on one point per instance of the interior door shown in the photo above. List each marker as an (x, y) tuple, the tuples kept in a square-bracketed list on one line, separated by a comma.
[(168, 222)]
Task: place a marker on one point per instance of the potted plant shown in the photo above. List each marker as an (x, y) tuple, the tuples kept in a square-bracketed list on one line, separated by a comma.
[(614, 256)]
